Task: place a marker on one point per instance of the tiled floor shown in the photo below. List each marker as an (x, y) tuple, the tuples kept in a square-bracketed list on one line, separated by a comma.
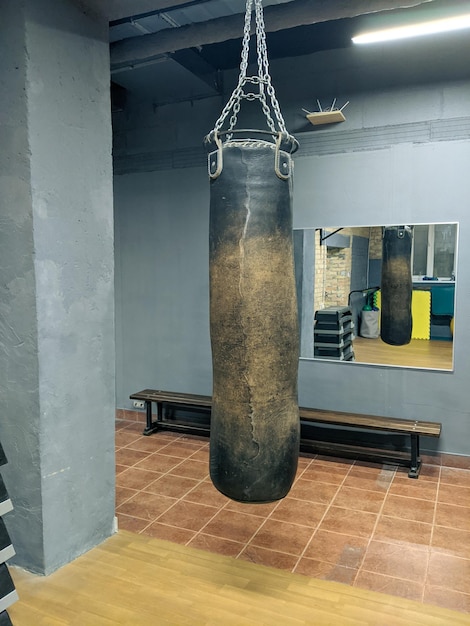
[(356, 523)]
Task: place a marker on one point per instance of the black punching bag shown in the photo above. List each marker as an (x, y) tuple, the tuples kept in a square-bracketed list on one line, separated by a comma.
[(397, 286), (254, 442)]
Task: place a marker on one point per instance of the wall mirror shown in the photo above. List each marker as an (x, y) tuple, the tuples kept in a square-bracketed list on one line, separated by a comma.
[(338, 271)]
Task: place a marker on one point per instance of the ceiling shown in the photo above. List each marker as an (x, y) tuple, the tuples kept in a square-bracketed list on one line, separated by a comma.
[(176, 50)]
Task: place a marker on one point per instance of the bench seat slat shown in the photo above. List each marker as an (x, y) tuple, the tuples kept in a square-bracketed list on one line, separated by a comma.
[(357, 420), (373, 422), (189, 399)]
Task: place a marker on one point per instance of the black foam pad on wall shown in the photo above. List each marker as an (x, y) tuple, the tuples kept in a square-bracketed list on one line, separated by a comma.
[(5, 502), (8, 593), (6, 548), (5, 619)]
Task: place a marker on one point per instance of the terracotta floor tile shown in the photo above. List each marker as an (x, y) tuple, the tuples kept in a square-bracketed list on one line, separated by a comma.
[(261, 510), (451, 541), (206, 493), (403, 531), (299, 512), (135, 478), (157, 462), (146, 505), (216, 544), (282, 537), (202, 439), (453, 516), (191, 469), (167, 437), (304, 461), (188, 515), (134, 427), (455, 461), (392, 586), (201, 455), (452, 494), (182, 449), (396, 560), (380, 470), (313, 491), (333, 461), (147, 444), (132, 524), (232, 525), (123, 494), (324, 474), (359, 499), (369, 481), (172, 486), (447, 598), (449, 572), (411, 488), (322, 528), (409, 508), (269, 558), (344, 550), (456, 477), (428, 473), (129, 457), (123, 438), (340, 520), (326, 571), (169, 533)]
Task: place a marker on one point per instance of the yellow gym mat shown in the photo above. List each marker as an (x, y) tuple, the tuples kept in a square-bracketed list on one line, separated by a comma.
[(420, 311)]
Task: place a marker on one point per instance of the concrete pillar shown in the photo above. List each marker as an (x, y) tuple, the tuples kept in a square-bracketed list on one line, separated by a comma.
[(56, 280)]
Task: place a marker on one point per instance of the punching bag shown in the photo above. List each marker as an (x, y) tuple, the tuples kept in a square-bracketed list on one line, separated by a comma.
[(254, 441), (255, 426), (396, 286)]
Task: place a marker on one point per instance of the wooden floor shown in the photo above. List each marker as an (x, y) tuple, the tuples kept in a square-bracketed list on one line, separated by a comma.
[(418, 353), (135, 580)]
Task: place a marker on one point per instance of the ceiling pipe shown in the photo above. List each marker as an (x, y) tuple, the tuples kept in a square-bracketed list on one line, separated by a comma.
[(157, 12), (277, 17), (119, 9)]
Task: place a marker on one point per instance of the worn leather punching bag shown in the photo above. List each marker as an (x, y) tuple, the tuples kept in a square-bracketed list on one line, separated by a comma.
[(396, 285), (255, 428), (254, 442)]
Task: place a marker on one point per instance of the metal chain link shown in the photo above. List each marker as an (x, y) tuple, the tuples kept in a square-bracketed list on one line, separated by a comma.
[(262, 80)]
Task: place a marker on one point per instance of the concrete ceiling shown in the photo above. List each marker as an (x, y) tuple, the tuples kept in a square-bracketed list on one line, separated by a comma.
[(175, 50)]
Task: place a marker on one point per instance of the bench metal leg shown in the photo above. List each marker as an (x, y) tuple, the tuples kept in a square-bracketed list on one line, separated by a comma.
[(415, 458), (152, 427)]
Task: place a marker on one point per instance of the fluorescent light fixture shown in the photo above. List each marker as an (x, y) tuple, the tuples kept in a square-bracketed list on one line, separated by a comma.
[(415, 30)]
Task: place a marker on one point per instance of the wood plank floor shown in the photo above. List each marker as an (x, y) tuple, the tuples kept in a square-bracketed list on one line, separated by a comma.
[(136, 580), (418, 353)]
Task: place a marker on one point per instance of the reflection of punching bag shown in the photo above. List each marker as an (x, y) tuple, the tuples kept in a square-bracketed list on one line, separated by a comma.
[(397, 286), (254, 441)]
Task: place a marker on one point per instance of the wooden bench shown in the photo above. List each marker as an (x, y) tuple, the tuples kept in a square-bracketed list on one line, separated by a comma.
[(165, 400)]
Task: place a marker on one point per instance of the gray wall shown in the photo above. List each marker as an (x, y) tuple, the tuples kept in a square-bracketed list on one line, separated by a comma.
[(401, 157), (57, 281)]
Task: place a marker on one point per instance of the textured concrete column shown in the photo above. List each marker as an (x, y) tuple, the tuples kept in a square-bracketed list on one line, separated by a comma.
[(56, 280)]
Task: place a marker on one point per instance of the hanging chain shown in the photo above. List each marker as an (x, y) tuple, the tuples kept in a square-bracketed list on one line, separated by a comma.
[(262, 80)]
